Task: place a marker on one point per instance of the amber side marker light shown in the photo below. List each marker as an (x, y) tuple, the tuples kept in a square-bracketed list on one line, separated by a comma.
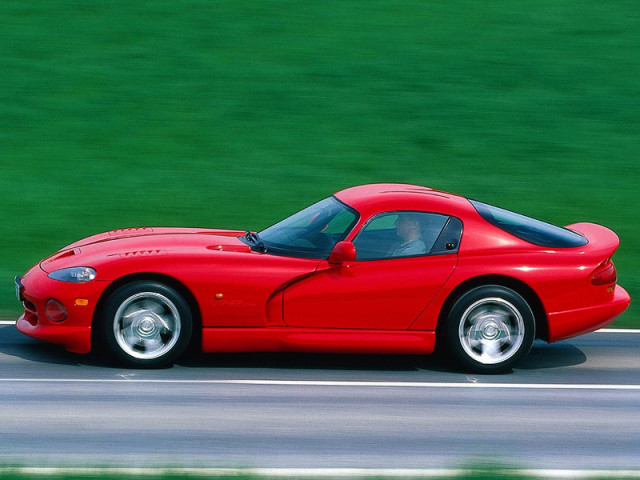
[(81, 302)]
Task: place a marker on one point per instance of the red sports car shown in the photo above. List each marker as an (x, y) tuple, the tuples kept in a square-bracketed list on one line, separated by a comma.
[(380, 268)]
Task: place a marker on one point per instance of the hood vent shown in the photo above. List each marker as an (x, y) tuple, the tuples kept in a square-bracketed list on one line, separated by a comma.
[(130, 231), (141, 253), (53, 258)]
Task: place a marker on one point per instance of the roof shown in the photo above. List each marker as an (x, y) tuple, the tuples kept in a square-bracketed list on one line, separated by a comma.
[(369, 199)]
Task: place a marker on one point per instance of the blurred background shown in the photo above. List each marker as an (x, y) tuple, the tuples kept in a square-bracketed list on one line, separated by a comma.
[(234, 114)]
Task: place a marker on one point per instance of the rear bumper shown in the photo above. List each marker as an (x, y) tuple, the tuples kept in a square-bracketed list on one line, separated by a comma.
[(576, 322)]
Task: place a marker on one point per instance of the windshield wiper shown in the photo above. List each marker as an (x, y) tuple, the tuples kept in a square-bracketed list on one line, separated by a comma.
[(255, 239)]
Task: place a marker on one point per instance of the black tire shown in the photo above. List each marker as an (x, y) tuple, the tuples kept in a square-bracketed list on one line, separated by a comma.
[(146, 324), (489, 329)]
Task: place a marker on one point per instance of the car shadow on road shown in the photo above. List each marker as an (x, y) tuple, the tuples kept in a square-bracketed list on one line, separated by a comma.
[(17, 345), (542, 356), (555, 355), (34, 351), (310, 361)]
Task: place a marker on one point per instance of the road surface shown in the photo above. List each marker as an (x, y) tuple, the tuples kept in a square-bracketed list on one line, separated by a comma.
[(570, 405)]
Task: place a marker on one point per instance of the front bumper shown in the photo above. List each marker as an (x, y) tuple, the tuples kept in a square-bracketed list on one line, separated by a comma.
[(74, 339), (34, 289), (19, 288)]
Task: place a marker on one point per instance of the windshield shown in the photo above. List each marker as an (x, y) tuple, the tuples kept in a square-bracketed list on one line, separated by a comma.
[(312, 232)]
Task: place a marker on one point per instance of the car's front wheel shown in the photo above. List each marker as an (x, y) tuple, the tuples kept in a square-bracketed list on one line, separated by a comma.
[(146, 324), (489, 329)]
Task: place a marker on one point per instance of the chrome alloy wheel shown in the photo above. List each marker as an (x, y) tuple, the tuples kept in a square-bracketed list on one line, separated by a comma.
[(147, 325), (491, 330)]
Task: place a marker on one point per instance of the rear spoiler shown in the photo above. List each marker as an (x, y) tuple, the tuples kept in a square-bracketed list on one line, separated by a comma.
[(602, 241)]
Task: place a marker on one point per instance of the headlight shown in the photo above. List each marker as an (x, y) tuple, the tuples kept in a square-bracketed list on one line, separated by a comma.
[(74, 274)]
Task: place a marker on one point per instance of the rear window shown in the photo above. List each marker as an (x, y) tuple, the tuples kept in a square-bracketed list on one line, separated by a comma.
[(529, 229)]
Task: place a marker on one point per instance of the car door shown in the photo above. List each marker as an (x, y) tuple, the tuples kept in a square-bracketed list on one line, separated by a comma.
[(388, 284)]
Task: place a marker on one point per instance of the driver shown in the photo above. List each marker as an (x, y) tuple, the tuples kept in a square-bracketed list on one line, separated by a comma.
[(408, 229)]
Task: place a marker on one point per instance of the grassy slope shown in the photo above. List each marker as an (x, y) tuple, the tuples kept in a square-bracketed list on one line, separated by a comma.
[(233, 114)]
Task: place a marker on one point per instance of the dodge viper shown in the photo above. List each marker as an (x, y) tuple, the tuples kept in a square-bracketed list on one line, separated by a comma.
[(384, 269)]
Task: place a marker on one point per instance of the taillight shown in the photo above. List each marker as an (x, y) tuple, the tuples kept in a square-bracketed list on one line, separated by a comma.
[(55, 311), (605, 274)]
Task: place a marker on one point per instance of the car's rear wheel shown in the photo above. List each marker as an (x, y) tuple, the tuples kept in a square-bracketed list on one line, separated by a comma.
[(146, 324), (489, 329)]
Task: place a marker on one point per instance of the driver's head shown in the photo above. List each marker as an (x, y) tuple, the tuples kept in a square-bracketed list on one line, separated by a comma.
[(407, 227)]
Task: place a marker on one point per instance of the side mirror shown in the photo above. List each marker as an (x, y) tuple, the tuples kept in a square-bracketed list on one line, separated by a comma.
[(342, 252)]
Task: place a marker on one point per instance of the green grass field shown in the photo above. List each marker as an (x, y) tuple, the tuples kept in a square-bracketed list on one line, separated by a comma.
[(234, 114)]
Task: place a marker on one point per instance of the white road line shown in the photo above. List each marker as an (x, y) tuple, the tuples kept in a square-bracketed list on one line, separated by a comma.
[(333, 383), (618, 330), (318, 472)]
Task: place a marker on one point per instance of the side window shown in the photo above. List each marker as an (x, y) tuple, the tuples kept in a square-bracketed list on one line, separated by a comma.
[(399, 234)]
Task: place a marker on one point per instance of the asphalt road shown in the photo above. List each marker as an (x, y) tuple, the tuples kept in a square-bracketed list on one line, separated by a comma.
[(571, 405)]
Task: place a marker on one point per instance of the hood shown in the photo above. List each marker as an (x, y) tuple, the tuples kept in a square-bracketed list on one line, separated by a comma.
[(147, 241), (148, 232)]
